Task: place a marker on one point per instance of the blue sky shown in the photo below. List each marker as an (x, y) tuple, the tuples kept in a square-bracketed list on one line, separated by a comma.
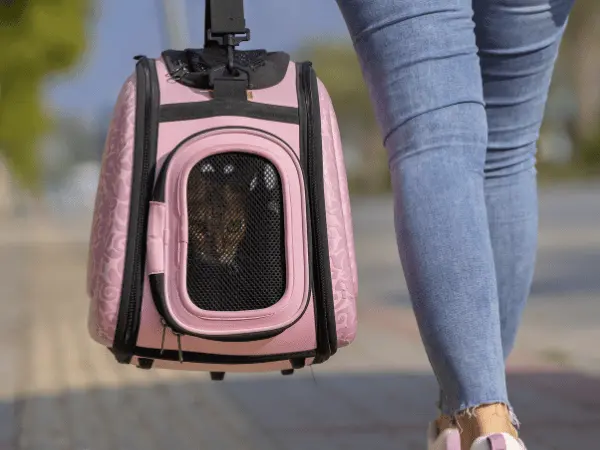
[(122, 29)]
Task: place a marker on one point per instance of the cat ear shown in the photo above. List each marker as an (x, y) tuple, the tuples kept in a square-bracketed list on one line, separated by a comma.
[(207, 168), (270, 177), (253, 183)]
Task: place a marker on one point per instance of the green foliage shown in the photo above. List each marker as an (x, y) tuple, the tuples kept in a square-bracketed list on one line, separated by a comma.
[(339, 69), (38, 38), (588, 156), (337, 66)]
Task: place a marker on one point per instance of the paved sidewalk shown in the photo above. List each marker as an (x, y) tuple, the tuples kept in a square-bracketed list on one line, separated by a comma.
[(61, 391)]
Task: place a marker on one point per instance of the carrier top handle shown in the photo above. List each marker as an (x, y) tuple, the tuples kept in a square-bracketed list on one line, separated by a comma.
[(224, 23)]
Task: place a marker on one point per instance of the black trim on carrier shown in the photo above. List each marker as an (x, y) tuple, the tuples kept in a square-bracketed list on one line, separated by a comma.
[(146, 134), (157, 286), (312, 163), (202, 110), (158, 194), (157, 282), (209, 358), (297, 362)]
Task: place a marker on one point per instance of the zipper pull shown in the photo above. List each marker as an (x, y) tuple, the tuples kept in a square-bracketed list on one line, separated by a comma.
[(177, 335), (164, 335), (179, 347)]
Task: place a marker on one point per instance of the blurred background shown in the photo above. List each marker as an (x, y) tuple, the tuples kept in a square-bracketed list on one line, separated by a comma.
[(62, 64)]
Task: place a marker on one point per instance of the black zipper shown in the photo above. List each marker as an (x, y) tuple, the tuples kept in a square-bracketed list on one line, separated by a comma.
[(157, 282), (312, 159), (146, 131), (157, 286)]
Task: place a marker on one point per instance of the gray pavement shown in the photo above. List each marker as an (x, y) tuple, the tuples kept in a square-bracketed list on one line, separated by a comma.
[(60, 390)]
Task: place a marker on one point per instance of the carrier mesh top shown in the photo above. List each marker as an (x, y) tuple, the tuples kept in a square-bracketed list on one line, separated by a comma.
[(202, 61), (236, 255)]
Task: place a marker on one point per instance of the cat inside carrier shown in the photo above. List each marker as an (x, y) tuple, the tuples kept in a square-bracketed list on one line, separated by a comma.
[(236, 249)]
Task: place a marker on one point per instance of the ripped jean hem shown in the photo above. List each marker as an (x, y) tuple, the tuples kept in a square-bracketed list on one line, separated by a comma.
[(469, 410)]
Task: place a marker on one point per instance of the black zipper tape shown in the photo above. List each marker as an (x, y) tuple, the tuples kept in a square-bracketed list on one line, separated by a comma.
[(213, 108), (157, 281), (144, 161), (312, 158), (157, 286), (158, 194)]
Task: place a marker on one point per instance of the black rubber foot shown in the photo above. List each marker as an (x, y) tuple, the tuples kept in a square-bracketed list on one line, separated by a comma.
[(287, 372), (217, 376), (145, 363), (298, 363)]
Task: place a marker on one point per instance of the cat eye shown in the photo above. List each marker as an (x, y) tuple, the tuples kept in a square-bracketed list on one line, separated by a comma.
[(270, 177), (253, 183)]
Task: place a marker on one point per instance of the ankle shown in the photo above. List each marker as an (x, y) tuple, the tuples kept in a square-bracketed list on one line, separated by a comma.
[(443, 422), (484, 420)]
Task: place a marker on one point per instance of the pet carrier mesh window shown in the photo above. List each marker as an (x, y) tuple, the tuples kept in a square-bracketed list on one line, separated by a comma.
[(236, 247)]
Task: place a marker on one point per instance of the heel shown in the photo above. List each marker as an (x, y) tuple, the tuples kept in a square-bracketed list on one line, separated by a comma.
[(497, 442), (453, 442)]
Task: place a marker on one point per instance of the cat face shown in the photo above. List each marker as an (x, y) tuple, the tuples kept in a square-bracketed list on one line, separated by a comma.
[(216, 222)]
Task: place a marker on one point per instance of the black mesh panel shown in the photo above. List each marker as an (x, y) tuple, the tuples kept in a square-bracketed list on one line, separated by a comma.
[(236, 255), (204, 60)]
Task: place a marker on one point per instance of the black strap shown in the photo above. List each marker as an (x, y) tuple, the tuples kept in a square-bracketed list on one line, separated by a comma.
[(223, 17), (224, 23)]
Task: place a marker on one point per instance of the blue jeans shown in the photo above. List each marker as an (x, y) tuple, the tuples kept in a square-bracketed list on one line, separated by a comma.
[(459, 89)]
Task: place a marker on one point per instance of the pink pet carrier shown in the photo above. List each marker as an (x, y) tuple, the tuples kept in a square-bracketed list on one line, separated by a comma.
[(222, 235)]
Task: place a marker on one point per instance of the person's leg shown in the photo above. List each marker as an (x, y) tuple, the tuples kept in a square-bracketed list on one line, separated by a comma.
[(518, 44), (420, 62)]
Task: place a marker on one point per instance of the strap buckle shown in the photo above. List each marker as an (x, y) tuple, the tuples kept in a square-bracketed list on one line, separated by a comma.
[(227, 39)]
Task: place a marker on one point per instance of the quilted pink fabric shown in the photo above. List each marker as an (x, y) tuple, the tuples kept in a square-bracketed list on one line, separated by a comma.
[(111, 219)]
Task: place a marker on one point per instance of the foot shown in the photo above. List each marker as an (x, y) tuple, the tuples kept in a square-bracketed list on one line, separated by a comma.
[(487, 420), (498, 441), (449, 439)]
